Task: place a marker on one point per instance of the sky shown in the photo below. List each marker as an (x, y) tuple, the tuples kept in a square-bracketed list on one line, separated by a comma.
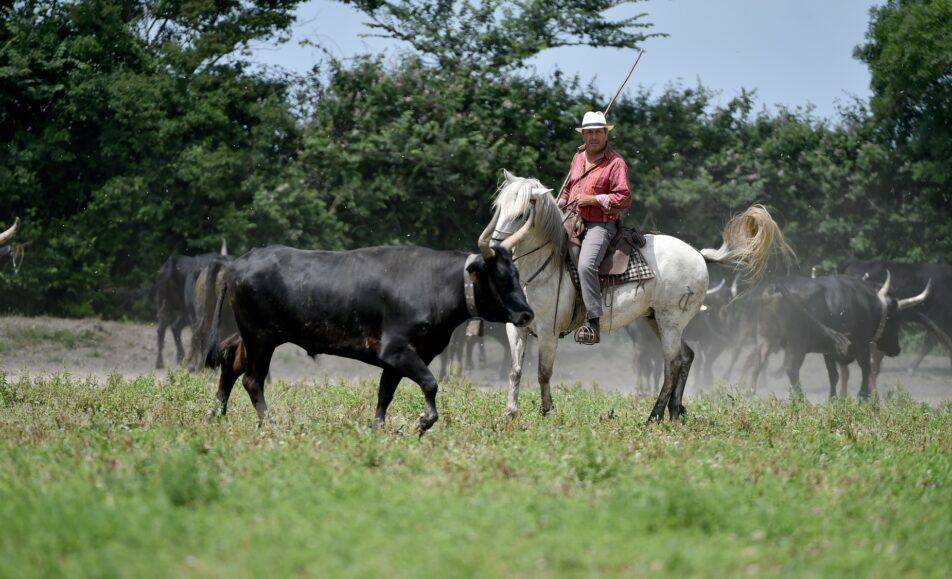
[(793, 53)]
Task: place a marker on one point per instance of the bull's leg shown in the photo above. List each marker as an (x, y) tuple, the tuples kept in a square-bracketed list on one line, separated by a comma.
[(388, 385), (863, 358), (404, 360), (548, 344), (177, 336), (234, 363), (517, 346), (258, 365), (685, 359), (844, 380), (877, 364), (159, 363), (794, 360), (832, 373)]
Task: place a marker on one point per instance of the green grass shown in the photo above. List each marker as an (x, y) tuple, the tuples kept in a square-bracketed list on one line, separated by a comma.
[(128, 478)]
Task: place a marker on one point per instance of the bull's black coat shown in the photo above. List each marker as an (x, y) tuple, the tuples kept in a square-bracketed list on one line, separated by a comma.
[(393, 307), (908, 279), (815, 315)]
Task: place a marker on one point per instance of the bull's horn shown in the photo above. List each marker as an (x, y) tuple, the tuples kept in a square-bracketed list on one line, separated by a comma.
[(486, 237), (224, 246), (716, 289), (885, 289), (9, 232), (516, 237), (734, 286), (916, 300), (813, 273), (866, 276)]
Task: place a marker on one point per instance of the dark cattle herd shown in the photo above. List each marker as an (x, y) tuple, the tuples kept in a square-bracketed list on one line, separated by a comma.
[(399, 308)]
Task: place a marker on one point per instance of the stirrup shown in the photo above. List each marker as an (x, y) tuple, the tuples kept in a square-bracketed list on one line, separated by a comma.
[(586, 335)]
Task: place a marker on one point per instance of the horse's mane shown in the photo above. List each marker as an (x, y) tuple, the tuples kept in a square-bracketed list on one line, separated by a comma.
[(512, 200)]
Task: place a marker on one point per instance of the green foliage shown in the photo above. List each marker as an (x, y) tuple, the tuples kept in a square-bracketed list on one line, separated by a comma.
[(135, 129), (128, 477), (909, 53)]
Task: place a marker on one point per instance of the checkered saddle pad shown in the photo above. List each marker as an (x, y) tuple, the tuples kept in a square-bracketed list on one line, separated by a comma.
[(637, 270)]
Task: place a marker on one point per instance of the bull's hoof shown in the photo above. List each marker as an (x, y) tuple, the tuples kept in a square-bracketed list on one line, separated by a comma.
[(377, 423), (214, 414), (654, 418), (511, 413), (426, 423)]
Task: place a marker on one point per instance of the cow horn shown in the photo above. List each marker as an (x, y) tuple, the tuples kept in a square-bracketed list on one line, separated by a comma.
[(486, 237), (516, 237), (813, 273), (885, 289), (916, 300), (716, 289), (734, 286), (9, 232)]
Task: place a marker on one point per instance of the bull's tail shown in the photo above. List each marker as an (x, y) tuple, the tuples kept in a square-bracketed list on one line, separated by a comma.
[(749, 241), (213, 350), (838, 339)]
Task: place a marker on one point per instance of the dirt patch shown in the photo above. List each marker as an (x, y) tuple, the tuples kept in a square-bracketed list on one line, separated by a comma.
[(96, 348)]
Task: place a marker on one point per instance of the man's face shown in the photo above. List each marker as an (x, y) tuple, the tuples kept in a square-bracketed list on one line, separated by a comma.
[(595, 139)]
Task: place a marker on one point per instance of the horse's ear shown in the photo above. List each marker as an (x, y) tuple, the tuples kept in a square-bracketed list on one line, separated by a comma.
[(541, 191), (507, 175)]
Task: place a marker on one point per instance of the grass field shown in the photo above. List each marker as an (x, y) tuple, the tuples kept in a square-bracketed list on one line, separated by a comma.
[(129, 478)]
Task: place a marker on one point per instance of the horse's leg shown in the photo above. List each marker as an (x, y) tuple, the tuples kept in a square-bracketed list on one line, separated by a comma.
[(548, 344), (671, 347), (685, 358), (517, 347)]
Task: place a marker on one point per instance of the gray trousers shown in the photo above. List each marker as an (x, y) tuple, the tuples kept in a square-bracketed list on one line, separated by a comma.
[(594, 246)]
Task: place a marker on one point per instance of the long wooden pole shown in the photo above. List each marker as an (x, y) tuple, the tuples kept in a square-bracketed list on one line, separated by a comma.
[(608, 108), (611, 102)]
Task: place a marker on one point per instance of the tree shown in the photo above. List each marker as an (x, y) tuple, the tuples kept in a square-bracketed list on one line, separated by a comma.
[(909, 54)]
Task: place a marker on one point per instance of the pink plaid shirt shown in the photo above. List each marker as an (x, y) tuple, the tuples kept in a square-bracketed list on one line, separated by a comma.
[(608, 181)]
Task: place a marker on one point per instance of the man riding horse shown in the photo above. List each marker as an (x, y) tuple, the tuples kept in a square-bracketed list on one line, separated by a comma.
[(597, 191)]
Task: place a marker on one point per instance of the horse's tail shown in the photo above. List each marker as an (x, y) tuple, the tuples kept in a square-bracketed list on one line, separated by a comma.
[(749, 241)]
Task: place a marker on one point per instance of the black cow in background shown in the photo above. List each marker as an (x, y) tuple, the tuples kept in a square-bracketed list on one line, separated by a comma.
[(176, 298), (840, 317), (392, 307), (475, 334), (908, 279)]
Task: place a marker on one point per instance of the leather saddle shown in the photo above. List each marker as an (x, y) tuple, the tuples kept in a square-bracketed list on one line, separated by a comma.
[(619, 251)]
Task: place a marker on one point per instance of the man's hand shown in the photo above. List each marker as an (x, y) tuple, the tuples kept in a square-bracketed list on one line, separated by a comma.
[(587, 200)]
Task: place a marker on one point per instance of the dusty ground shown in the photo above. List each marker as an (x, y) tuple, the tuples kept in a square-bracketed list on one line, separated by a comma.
[(96, 348)]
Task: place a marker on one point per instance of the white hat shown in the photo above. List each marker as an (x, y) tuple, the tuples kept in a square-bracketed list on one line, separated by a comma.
[(594, 120)]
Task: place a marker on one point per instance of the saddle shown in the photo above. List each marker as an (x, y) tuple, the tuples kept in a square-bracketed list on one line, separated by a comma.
[(617, 259)]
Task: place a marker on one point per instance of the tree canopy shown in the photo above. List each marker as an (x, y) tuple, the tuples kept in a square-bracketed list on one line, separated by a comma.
[(137, 129)]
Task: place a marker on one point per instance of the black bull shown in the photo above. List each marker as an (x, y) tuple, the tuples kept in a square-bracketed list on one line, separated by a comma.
[(837, 316), (392, 307), (908, 279)]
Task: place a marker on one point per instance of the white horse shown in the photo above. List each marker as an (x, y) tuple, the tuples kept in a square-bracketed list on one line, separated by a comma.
[(528, 221)]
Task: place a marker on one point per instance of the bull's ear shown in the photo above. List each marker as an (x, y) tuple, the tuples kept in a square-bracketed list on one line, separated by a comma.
[(476, 263)]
